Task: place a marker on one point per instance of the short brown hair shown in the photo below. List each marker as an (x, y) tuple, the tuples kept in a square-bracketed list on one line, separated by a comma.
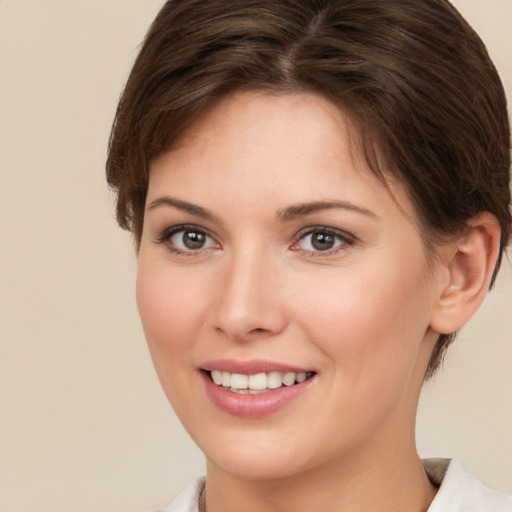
[(413, 75)]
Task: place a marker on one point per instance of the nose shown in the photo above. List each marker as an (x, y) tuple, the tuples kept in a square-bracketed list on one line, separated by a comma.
[(248, 303)]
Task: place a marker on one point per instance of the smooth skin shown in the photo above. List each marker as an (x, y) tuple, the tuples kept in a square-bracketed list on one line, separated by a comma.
[(265, 237)]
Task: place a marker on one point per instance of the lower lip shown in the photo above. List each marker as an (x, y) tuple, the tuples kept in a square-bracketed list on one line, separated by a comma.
[(253, 406)]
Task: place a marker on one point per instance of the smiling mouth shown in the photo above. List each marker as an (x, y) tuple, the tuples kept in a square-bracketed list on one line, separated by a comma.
[(257, 383)]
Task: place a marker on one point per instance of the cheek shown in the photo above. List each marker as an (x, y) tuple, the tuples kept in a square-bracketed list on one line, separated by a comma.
[(370, 320), (168, 306), (170, 309)]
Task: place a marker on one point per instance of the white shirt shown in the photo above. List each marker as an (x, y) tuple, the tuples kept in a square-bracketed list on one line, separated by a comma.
[(458, 491), (461, 492)]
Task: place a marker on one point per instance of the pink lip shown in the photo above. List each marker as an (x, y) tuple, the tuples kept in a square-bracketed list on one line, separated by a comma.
[(252, 406), (250, 367)]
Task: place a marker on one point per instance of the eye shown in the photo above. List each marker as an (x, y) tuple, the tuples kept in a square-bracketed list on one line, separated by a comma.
[(325, 240), (187, 239)]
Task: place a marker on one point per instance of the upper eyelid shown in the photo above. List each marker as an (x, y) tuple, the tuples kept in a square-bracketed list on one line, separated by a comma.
[(335, 231), (168, 232), (164, 238), (347, 241)]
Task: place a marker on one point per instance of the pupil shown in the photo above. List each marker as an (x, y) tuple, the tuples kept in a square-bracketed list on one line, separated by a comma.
[(323, 241), (193, 239)]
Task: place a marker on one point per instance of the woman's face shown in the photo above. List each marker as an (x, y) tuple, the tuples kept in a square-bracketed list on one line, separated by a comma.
[(271, 259)]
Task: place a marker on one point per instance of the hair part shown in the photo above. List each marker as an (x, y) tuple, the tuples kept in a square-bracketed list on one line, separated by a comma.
[(426, 101)]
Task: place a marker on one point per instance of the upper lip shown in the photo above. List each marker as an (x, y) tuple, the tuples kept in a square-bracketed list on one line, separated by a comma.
[(251, 367)]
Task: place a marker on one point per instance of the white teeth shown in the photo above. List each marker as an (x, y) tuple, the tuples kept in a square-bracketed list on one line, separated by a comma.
[(239, 381), (258, 382), (274, 380), (226, 379), (289, 379)]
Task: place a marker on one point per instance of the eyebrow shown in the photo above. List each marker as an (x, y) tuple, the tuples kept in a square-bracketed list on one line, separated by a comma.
[(300, 210), (191, 208), (287, 214)]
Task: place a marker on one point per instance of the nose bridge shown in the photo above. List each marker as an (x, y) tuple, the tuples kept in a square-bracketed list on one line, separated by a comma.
[(248, 302)]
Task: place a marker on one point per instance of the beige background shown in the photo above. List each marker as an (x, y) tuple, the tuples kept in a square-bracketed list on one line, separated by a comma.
[(84, 425)]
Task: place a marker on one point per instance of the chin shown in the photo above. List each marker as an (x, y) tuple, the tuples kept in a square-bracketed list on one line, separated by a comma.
[(264, 455), (256, 467)]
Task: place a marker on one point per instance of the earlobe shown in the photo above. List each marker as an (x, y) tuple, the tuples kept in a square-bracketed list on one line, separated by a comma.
[(470, 261)]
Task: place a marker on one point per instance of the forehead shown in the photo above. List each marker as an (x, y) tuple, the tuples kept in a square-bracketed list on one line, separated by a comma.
[(299, 146)]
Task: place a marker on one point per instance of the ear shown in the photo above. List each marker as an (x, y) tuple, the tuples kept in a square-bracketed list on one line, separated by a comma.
[(469, 264)]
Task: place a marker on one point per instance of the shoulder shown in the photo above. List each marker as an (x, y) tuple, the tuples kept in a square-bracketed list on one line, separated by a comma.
[(188, 499), (461, 492)]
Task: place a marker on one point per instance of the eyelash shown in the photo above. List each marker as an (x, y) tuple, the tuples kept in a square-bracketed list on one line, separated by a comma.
[(343, 239), (168, 233)]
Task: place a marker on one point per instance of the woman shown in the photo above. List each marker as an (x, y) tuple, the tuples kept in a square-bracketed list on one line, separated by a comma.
[(319, 198)]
